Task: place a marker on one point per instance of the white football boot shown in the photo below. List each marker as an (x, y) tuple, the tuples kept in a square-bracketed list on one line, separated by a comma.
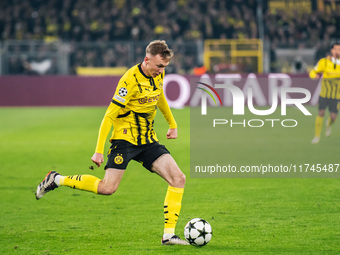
[(46, 185)]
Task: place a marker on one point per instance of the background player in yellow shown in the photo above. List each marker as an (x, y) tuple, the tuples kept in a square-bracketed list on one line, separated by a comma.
[(329, 69), (131, 113)]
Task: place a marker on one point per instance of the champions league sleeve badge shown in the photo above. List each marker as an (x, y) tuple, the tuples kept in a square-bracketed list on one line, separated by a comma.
[(122, 92)]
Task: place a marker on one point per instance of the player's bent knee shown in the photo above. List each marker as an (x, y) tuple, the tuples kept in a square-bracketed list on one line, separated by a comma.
[(183, 179), (321, 113), (333, 116), (107, 190), (179, 181)]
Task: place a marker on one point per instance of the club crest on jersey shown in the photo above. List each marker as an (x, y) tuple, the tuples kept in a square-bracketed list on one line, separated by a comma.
[(122, 92), (119, 159)]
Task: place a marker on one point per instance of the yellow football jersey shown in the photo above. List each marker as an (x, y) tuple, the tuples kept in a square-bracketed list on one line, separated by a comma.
[(330, 84), (133, 109)]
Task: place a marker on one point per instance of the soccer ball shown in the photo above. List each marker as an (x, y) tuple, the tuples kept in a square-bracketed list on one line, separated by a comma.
[(198, 232)]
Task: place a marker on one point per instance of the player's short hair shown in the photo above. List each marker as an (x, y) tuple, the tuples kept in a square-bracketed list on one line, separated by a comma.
[(159, 47), (335, 43)]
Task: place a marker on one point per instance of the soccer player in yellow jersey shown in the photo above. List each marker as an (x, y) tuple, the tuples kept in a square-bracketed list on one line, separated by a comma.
[(329, 68), (131, 113)]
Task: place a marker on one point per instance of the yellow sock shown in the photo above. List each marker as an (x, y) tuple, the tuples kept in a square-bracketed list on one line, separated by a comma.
[(82, 182), (329, 122), (172, 207), (318, 125)]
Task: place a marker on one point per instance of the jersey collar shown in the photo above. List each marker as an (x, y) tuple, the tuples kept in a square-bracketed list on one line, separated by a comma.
[(141, 71)]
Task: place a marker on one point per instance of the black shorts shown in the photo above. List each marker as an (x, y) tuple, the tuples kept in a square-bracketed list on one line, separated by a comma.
[(121, 152), (333, 104)]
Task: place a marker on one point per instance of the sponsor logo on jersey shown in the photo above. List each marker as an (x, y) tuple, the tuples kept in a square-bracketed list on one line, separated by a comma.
[(145, 100)]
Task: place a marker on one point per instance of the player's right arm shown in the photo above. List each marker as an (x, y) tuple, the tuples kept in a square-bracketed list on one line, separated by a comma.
[(105, 127), (122, 96), (318, 69)]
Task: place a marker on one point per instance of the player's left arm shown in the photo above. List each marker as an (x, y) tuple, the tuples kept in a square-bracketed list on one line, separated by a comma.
[(165, 109)]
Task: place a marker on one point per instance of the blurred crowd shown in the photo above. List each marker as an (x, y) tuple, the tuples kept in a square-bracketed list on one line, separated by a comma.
[(108, 20), (81, 22), (103, 21), (298, 30), (295, 28)]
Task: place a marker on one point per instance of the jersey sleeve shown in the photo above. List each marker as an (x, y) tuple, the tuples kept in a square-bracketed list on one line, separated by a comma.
[(124, 91), (319, 68), (105, 127), (165, 109)]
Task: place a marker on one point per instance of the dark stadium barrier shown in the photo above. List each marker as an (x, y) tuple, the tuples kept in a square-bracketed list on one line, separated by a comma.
[(98, 91)]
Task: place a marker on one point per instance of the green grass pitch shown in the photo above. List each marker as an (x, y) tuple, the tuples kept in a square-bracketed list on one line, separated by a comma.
[(263, 216)]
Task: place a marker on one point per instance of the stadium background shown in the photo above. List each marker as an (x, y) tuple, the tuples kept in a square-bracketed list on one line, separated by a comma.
[(60, 37), (70, 53)]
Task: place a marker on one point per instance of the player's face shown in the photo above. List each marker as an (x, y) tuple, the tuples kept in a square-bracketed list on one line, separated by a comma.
[(155, 65), (336, 51)]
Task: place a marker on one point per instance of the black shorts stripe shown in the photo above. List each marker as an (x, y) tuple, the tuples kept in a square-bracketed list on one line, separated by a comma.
[(139, 129), (117, 103)]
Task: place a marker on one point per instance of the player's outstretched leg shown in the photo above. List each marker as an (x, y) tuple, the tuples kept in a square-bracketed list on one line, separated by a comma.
[(54, 180), (107, 186)]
